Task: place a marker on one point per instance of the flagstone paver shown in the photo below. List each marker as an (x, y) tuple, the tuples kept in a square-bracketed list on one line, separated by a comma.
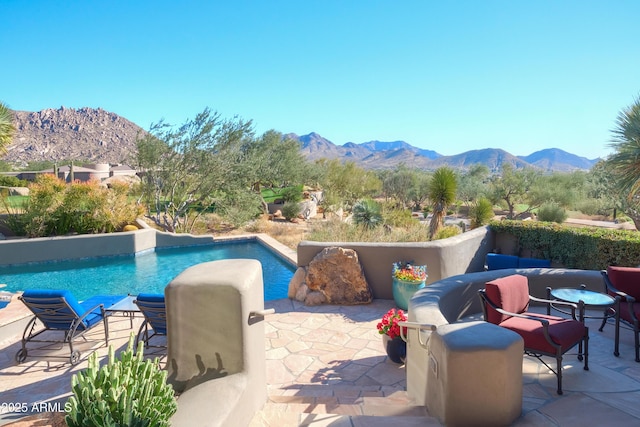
[(326, 366)]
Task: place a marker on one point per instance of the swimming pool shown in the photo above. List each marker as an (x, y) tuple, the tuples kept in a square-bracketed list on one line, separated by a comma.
[(147, 272)]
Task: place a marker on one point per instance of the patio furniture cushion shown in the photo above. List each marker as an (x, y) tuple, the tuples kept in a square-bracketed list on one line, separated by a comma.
[(533, 263), (565, 332), (516, 300), (500, 261), (625, 279)]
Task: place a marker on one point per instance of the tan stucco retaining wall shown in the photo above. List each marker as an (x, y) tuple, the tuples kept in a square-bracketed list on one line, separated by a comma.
[(456, 255), (43, 249)]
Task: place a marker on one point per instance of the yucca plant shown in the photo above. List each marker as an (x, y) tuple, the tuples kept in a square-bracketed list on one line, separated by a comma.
[(367, 214), (128, 391), (7, 128), (442, 193)]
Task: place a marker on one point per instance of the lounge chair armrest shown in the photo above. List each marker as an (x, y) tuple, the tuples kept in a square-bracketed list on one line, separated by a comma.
[(554, 302), (90, 310), (627, 298)]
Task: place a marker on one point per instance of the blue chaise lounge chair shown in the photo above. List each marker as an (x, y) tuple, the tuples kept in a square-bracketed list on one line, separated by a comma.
[(59, 310), (152, 307)]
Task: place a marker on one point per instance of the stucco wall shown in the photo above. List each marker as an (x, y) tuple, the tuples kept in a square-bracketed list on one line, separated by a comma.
[(41, 249), (460, 254), (19, 251)]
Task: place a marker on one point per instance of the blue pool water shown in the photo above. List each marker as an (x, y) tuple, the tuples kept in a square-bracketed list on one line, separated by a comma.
[(148, 272)]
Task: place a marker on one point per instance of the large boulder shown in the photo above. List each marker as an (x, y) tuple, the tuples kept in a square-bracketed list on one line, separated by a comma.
[(334, 276)]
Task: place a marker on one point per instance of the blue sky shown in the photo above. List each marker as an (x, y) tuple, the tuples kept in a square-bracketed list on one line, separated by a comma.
[(447, 76)]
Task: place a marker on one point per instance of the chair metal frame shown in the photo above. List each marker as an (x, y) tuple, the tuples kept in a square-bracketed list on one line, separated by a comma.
[(50, 311), (583, 352), (155, 320), (634, 325)]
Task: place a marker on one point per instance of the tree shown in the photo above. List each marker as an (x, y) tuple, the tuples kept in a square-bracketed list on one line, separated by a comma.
[(274, 161), (345, 183), (512, 186), (473, 184), (442, 193), (399, 183), (189, 169), (563, 189), (419, 193), (7, 128)]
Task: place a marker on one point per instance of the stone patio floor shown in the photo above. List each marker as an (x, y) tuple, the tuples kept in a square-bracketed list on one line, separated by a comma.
[(326, 367)]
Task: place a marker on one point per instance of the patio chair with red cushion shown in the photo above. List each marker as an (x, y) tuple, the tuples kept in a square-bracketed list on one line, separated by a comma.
[(623, 283), (506, 304)]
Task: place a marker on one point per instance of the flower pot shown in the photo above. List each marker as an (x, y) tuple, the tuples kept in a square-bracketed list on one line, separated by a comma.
[(396, 348), (403, 290)]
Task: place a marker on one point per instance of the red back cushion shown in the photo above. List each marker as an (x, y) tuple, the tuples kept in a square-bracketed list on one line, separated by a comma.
[(625, 279), (510, 293)]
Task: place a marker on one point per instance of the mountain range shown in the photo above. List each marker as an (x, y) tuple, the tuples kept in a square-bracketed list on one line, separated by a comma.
[(98, 136), (385, 155)]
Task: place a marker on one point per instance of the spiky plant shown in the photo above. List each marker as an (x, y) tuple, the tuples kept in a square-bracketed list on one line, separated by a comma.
[(442, 193), (7, 128), (128, 391), (625, 162), (367, 213), (481, 213)]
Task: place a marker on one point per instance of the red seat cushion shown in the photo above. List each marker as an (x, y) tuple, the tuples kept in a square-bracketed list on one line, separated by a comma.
[(565, 332), (624, 311), (625, 279), (510, 293)]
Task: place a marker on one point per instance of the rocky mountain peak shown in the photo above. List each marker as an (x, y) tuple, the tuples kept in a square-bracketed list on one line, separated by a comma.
[(83, 134)]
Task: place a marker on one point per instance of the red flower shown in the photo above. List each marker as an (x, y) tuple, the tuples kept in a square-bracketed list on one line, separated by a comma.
[(389, 323)]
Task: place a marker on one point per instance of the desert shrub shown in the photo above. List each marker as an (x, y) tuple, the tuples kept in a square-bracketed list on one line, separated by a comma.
[(397, 217), (339, 231), (447, 231), (12, 181), (240, 207), (366, 213), (291, 194), (259, 225), (552, 212), (54, 208), (290, 210), (593, 207), (481, 213)]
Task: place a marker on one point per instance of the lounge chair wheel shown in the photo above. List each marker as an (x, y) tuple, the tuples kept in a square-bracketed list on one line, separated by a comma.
[(21, 355), (75, 357)]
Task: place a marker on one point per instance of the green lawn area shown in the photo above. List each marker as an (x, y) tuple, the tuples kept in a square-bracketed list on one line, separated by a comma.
[(14, 202), (271, 194)]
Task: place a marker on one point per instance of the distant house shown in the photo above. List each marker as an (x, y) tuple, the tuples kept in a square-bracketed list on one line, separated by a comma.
[(99, 171)]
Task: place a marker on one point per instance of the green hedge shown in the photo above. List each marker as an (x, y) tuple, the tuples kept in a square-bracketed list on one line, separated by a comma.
[(587, 248)]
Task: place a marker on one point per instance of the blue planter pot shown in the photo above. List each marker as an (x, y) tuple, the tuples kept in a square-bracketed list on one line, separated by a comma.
[(396, 348), (403, 291)]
